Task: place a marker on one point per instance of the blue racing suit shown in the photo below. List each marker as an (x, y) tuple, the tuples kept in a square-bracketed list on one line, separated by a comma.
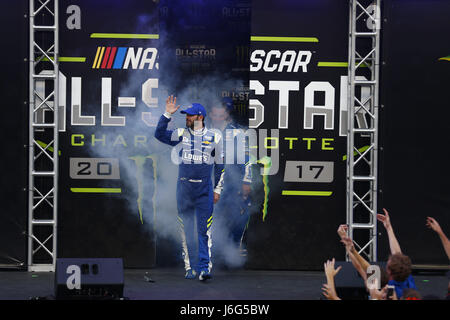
[(233, 207), (195, 152)]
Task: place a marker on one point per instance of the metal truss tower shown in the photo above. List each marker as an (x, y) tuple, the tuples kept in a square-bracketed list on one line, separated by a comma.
[(362, 135), (43, 135)]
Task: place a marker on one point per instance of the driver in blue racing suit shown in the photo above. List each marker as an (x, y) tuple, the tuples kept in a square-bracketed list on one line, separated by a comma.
[(195, 151), (232, 214)]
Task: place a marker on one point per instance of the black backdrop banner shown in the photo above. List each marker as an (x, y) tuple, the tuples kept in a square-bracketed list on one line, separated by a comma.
[(414, 128), (14, 132), (206, 47), (298, 68), (119, 61), (109, 74)]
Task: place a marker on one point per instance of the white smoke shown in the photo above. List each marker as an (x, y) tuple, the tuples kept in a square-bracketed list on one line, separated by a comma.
[(202, 89)]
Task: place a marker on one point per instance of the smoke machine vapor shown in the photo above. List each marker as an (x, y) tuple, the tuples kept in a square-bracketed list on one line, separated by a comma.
[(194, 67)]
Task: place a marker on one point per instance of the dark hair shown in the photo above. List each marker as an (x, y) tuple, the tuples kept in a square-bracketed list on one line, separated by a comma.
[(399, 267)]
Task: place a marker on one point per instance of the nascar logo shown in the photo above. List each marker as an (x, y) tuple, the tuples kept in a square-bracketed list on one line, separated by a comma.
[(125, 57)]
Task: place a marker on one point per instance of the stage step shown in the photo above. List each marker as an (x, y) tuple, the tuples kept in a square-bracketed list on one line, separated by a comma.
[(430, 268)]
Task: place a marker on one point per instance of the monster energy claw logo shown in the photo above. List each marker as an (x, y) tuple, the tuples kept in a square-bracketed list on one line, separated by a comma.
[(140, 162)]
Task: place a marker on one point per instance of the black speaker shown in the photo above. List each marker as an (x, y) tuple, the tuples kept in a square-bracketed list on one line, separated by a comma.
[(348, 282), (89, 278)]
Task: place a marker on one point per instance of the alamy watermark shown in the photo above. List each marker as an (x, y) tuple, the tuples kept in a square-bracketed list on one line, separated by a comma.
[(231, 146), (74, 279)]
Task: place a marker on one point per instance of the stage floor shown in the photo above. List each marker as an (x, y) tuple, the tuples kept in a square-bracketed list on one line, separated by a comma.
[(226, 285)]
